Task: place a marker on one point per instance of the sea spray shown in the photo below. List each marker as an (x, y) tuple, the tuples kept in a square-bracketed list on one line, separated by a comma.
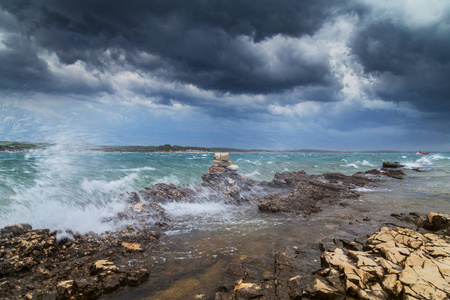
[(58, 195)]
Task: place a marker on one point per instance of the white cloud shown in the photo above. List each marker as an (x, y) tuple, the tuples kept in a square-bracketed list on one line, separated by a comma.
[(411, 13)]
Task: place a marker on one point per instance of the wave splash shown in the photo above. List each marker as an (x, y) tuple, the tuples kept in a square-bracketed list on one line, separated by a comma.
[(58, 195)]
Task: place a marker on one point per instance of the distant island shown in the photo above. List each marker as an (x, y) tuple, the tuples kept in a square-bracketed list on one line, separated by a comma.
[(8, 146)]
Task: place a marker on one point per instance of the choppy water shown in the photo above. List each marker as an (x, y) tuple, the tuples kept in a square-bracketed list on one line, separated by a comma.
[(63, 187)]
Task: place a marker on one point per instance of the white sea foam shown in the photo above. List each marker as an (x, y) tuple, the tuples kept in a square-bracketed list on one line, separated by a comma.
[(93, 187), (252, 174), (183, 209), (423, 161), (351, 165), (366, 163), (58, 196), (363, 189), (140, 169), (437, 157), (169, 179)]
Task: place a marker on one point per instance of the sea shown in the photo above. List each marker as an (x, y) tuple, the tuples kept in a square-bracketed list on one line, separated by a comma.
[(65, 187)]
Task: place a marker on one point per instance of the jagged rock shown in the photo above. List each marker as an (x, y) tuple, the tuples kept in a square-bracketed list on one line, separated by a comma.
[(102, 266), (437, 221), (400, 264), (245, 291), (11, 231), (132, 246), (397, 174), (322, 290), (394, 165), (77, 269), (66, 289)]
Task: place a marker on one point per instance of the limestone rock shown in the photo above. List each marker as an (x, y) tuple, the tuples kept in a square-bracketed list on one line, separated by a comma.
[(437, 221), (222, 164), (132, 246), (221, 156), (244, 291), (396, 264), (102, 266), (66, 289)]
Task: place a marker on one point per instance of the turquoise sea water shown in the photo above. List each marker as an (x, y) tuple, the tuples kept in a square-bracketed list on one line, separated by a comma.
[(62, 187)]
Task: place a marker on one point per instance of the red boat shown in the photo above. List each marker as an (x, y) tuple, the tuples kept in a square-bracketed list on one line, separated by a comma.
[(423, 153)]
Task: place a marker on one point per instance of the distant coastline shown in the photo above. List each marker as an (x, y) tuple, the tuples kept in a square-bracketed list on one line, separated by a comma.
[(25, 147)]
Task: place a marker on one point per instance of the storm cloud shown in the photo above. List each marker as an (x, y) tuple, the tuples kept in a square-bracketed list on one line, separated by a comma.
[(341, 64)]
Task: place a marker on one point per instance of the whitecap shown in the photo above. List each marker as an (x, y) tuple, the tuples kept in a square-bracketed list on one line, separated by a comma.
[(168, 179), (254, 173), (351, 165), (366, 163)]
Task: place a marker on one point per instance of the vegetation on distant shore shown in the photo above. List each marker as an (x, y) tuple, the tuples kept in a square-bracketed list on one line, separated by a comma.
[(6, 146), (16, 146), (24, 147)]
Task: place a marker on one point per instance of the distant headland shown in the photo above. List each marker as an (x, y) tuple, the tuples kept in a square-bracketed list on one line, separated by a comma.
[(14, 147)]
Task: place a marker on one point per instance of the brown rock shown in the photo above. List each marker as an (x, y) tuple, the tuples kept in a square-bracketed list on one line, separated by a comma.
[(322, 290), (221, 156), (66, 289), (245, 291), (132, 246), (102, 266), (219, 170)]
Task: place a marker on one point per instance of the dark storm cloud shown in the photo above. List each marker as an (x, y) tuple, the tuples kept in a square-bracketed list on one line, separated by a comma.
[(194, 42), (216, 46), (412, 63)]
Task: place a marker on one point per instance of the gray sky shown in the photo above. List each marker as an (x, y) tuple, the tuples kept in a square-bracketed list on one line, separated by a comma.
[(341, 75)]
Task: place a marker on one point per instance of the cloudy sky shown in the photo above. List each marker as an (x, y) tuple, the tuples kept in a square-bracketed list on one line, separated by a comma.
[(285, 74)]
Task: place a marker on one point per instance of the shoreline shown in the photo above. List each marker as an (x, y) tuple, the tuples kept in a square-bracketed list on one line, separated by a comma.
[(46, 258)]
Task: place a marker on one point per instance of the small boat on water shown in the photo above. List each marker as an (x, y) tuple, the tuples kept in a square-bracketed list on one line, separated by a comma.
[(423, 153)]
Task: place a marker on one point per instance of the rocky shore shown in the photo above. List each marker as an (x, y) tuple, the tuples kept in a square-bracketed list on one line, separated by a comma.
[(394, 263)]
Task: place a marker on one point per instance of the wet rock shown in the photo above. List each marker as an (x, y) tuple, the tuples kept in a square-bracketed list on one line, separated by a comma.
[(302, 193), (34, 265), (66, 289), (11, 231), (393, 165), (437, 221), (397, 174), (245, 291), (162, 192), (387, 171)]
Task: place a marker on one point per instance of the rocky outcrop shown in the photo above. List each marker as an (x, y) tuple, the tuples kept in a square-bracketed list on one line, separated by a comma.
[(392, 264), (393, 165), (389, 172), (222, 164), (396, 264), (297, 192), (438, 222), (38, 263)]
